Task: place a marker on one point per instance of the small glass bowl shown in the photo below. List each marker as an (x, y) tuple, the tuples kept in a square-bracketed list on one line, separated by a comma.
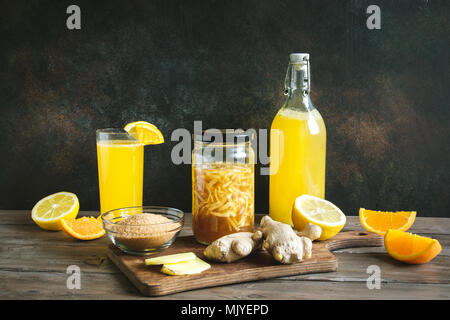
[(143, 235)]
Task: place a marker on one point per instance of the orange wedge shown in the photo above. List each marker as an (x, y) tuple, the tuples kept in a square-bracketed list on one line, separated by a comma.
[(146, 133), (381, 221), (411, 248), (85, 228)]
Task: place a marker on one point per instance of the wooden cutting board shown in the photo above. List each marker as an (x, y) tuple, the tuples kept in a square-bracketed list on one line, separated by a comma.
[(259, 265)]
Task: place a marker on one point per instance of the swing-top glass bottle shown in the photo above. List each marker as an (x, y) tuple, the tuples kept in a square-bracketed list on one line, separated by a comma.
[(298, 144)]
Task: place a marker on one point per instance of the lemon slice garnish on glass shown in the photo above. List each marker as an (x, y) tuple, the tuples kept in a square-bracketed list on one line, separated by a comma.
[(144, 132), (48, 212), (310, 209)]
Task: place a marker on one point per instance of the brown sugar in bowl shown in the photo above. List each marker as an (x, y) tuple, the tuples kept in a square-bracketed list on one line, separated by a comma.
[(143, 230)]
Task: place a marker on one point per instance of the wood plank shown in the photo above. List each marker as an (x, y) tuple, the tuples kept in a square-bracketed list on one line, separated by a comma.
[(352, 263), (38, 285), (428, 225), (353, 267), (421, 225), (10, 217), (33, 265)]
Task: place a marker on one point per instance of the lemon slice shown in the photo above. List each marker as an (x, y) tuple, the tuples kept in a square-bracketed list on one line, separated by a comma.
[(144, 132), (48, 212), (309, 209)]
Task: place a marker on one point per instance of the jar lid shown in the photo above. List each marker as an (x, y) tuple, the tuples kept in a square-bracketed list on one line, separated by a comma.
[(229, 136)]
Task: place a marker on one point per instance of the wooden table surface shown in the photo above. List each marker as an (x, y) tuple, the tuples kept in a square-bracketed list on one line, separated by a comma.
[(34, 262)]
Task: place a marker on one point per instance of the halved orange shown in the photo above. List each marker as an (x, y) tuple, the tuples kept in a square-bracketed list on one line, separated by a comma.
[(85, 228), (146, 133), (381, 221), (411, 248)]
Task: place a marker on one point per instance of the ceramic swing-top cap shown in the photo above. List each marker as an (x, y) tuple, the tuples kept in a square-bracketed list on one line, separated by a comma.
[(298, 57)]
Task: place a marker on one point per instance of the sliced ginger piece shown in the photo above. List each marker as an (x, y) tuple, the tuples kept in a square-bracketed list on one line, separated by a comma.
[(171, 258), (186, 267)]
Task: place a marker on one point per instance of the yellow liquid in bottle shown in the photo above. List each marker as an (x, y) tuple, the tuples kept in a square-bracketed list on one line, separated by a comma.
[(297, 160), (120, 174)]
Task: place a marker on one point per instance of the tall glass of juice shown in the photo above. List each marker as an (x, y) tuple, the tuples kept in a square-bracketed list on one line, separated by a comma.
[(120, 169)]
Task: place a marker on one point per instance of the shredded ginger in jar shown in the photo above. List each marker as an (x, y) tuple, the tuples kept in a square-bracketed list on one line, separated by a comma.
[(222, 200)]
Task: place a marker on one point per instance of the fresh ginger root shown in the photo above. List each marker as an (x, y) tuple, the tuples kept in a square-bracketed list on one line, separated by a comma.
[(311, 231), (234, 246), (279, 239), (282, 242)]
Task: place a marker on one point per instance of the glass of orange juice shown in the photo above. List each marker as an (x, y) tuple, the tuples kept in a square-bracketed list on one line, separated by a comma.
[(120, 169)]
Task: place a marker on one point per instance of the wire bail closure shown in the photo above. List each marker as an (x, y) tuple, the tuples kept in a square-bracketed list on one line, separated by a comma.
[(297, 59)]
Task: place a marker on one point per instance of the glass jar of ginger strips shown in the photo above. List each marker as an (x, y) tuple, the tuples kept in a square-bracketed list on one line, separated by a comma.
[(223, 184)]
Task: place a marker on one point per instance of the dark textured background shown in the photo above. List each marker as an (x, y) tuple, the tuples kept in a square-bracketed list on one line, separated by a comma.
[(384, 94)]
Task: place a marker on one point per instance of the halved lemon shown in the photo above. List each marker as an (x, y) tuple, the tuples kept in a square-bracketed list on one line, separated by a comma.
[(381, 221), (410, 248), (84, 228), (49, 211), (146, 133), (310, 209)]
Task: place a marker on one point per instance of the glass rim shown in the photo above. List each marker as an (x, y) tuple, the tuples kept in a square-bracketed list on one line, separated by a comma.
[(229, 136), (111, 130), (113, 133), (164, 211)]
